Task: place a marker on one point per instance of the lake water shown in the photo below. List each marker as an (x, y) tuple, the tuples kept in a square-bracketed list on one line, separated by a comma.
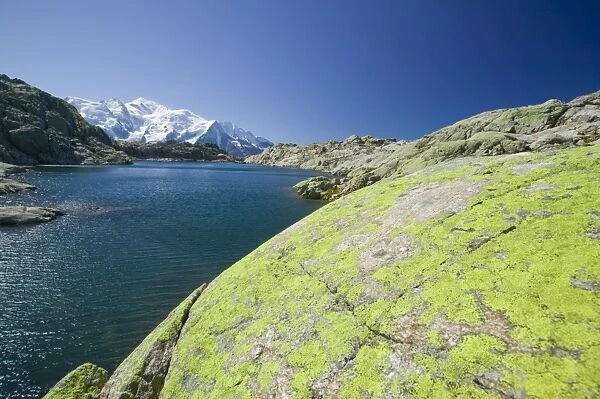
[(137, 239)]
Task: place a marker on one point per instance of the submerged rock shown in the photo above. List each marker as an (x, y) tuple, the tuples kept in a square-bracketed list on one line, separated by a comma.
[(18, 215)]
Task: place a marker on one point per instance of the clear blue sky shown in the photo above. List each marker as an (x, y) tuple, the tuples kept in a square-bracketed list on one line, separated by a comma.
[(303, 71)]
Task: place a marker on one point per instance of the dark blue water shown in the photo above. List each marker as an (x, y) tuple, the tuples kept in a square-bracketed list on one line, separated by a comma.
[(137, 239)]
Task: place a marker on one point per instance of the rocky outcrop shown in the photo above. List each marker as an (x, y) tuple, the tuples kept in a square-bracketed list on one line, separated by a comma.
[(317, 188), (9, 186), (173, 151), (473, 277), (362, 161), (335, 157), (36, 127), (18, 215), (84, 382)]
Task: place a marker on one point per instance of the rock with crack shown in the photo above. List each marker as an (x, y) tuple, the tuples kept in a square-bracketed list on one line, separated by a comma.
[(461, 279), (143, 373), (20, 215)]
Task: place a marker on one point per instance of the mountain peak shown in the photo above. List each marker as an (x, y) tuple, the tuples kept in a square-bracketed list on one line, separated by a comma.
[(147, 120)]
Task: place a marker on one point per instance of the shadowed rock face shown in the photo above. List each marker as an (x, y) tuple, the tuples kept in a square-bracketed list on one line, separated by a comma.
[(172, 150), (363, 161), (463, 279), (142, 374), (36, 127)]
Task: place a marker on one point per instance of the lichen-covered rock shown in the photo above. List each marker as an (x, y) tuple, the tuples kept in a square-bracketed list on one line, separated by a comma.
[(36, 127), (317, 188), (551, 125), (476, 277), (143, 373), (84, 382)]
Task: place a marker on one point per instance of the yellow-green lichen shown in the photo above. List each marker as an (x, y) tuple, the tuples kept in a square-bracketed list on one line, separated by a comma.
[(495, 293), (85, 382)]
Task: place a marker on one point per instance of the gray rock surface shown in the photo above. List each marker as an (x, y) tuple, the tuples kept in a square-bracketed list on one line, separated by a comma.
[(18, 215), (9, 186), (317, 188)]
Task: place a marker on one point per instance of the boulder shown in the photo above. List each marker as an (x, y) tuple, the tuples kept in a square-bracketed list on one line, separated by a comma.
[(84, 382)]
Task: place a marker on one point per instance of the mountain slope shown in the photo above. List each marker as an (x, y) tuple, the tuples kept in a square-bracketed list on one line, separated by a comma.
[(36, 127), (362, 161), (147, 121), (476, 277)]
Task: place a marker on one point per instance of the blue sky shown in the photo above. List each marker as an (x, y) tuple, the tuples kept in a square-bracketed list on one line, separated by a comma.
[(304, 71)]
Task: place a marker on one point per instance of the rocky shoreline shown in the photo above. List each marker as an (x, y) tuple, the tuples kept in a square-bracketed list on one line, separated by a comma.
[(11, 186), (173, 151), (454, 267), (361, 161), (21, 215)]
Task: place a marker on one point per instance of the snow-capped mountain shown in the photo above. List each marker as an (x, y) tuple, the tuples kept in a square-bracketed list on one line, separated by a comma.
[(147, 121)]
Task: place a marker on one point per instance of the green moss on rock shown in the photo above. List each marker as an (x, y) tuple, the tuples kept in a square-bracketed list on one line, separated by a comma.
[(85, 382)]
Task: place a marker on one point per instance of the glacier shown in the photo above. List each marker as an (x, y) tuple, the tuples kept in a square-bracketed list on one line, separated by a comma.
[(148, 121)]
